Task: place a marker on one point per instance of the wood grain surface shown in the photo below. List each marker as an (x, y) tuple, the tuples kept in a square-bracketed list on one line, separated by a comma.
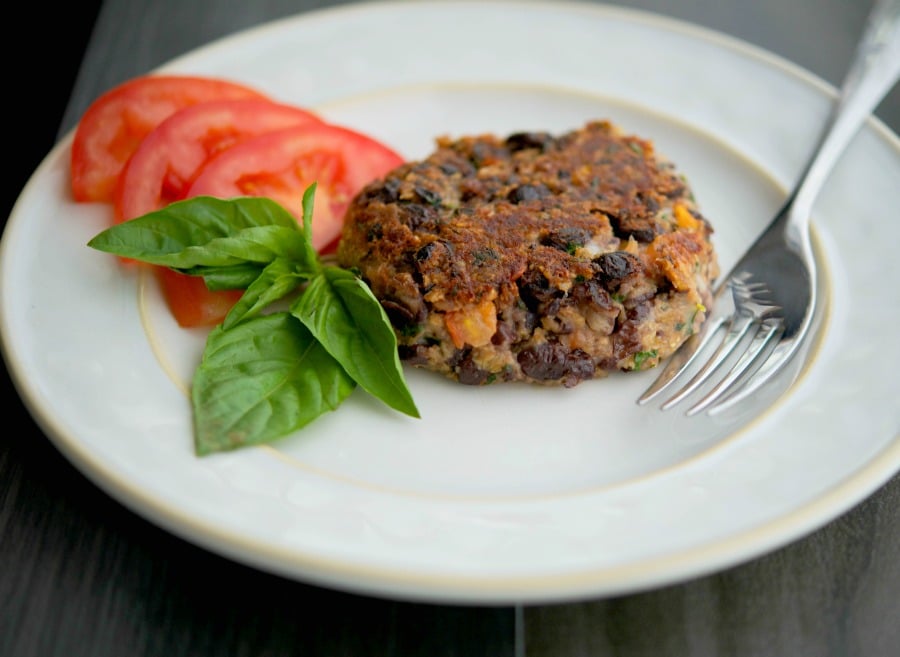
[(80, 575)]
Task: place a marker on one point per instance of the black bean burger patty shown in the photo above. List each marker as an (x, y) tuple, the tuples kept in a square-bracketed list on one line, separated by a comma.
[(540, 258)]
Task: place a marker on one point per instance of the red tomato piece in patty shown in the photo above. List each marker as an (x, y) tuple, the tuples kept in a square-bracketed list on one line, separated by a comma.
[(114, 125), (162, 168)]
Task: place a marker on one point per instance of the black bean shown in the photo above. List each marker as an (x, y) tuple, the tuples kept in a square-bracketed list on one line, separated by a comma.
[(644, 235), (649, 202), (524, 193), (591, 293), (386, 192), (522, 140), (429, 196), (613, 267), (535, 290), (504, 334), (403, 313), (567, 239), (553, 362), (417, 214), (414, 354), (469, 373), (643, 229), (426, 251)]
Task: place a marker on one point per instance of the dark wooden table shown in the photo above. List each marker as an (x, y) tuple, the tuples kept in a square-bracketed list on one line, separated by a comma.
[(82, 575)]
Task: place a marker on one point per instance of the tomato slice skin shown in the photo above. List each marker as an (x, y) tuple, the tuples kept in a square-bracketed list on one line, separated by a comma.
[(114, 125), (281, 165), (168, 159)]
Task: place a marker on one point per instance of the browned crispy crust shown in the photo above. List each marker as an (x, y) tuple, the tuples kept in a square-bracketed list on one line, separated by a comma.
[(541, 258)]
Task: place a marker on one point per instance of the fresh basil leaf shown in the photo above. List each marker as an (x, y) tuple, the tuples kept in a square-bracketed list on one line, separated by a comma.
[(225, 215), (343, 314), (277, 280), (206, 231), (261, 380), (259, 244), (235, 277)]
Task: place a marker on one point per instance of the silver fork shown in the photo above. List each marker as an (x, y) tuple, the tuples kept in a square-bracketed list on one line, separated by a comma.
[(764, 307)]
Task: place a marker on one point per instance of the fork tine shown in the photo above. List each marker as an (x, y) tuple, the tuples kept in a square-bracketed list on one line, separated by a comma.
[(772, 363), (749, 363), (736, 332), (777, 274), (681, 360)]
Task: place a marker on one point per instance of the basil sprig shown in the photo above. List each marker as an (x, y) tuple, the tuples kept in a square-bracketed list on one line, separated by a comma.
[(265, 374)]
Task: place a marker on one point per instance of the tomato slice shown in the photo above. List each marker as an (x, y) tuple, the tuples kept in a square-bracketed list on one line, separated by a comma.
[(281, 165), (114, 125), (191, 302), (165, 164)]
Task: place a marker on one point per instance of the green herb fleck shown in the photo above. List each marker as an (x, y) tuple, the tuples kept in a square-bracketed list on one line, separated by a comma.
[(689, 324), (484, 254), (410, 330), (642, 357)]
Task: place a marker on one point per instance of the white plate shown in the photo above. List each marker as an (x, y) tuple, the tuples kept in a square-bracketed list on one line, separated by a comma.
[(507, 493)]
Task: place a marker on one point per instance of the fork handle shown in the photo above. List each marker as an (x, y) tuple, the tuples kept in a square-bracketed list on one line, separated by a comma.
[(873, 72)]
